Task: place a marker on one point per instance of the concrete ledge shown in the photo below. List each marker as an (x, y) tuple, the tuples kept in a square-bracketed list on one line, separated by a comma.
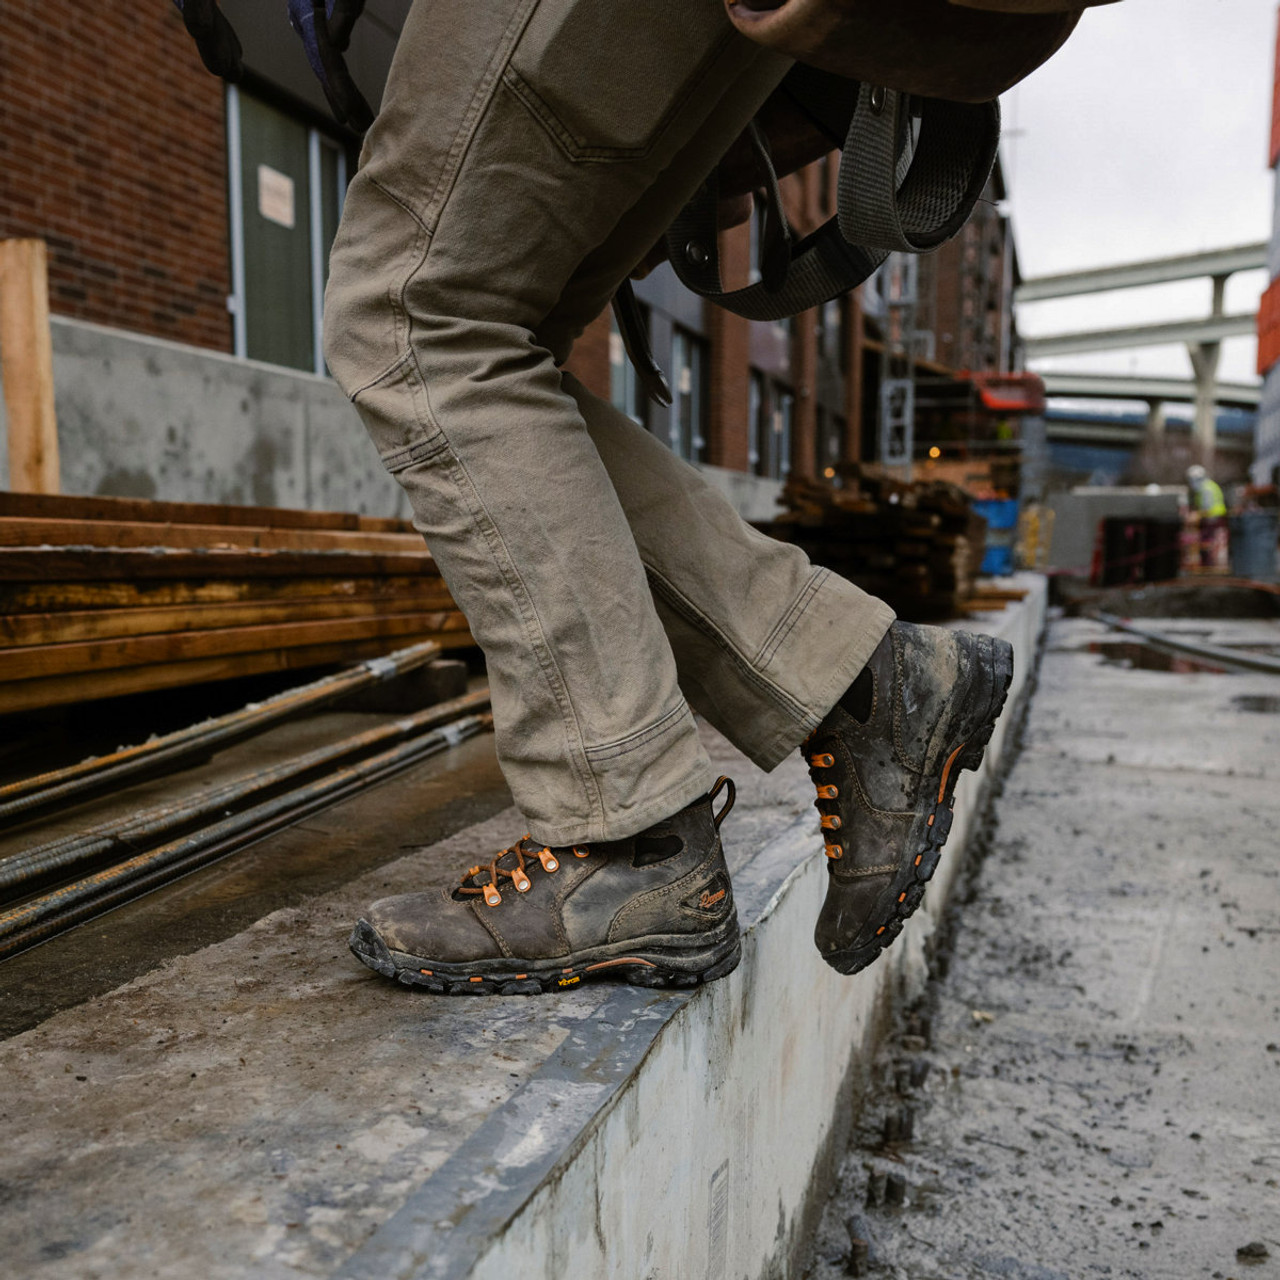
[(719, 1112), (263, 1106)]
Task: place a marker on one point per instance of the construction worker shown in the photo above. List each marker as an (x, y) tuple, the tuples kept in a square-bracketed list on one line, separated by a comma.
[(527, 156), (1209, 533)]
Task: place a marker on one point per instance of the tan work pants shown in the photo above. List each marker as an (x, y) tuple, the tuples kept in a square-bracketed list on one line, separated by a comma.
[(527, 155)]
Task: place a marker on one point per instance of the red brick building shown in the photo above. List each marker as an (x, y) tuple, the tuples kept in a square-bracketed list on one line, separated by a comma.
[(176, 208)]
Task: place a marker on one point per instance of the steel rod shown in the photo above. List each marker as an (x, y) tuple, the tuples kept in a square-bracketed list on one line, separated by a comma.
[(39, 918), (127, 835), (19, 799), (1210, 652)]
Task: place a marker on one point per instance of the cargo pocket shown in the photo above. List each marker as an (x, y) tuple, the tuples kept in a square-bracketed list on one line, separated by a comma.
[(605, 77)]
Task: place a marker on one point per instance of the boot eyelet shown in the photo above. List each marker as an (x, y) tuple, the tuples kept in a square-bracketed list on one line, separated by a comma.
[(833, 851), (491, 896), (831, 822), (823, 761), (581, 853), (522, 882), (828, 793)]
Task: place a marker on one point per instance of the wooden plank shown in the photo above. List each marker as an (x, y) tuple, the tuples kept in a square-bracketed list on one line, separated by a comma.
[(19, 630), (74, 507), (26, 357), (27, 695), (65, 659), (62, 564), (75, 597), (26, 531)]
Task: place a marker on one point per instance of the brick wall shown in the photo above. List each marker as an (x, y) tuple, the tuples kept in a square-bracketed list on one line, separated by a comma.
[(112, 149)]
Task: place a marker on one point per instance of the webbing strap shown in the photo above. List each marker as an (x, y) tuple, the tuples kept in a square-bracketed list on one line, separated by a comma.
[(901, 187)]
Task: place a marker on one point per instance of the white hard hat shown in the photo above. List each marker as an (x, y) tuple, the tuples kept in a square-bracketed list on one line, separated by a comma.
[(1196, 474)]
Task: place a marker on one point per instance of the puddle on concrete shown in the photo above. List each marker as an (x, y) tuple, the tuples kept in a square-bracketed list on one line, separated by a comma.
[(1267, 704), (1137, 656)]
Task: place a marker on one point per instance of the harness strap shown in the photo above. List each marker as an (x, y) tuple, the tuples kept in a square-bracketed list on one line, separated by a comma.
[(901, 187)]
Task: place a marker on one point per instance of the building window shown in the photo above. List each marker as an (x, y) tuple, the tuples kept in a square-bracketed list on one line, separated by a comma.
[(625, 390), (772, 409), (757, 429), (829, 441), (689, 388), (287, 183)]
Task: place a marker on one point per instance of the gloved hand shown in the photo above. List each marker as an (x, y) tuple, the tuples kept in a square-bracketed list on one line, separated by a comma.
[(325, 29), (215, 37)]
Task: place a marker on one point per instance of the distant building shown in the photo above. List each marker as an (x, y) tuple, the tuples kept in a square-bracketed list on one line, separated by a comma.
[(178, 209)]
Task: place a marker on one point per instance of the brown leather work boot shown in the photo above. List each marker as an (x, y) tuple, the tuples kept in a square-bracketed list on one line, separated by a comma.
[(885, 762), (655, 910)]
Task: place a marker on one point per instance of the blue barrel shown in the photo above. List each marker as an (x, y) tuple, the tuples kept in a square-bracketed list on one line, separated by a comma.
[(1253, 544)]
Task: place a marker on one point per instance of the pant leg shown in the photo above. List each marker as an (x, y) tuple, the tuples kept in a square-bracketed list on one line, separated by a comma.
[(765, 643), (514, 138)]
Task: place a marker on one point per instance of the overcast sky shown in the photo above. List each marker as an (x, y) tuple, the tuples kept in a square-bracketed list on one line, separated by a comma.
[(1145, 136)]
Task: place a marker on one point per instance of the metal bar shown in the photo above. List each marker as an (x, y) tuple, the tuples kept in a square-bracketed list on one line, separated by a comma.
[(235, 198), (1210, 652), (21, 799), (1126, 387), (40, 918), (127, 835), (1191, 266), (1210, 329)]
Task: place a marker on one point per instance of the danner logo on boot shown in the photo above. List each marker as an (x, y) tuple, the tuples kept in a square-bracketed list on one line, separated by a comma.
[(714, 897)]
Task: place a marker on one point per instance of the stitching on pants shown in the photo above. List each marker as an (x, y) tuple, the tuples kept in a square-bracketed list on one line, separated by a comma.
[(527, 612), (634, 741), (789, 619), (693, 615)]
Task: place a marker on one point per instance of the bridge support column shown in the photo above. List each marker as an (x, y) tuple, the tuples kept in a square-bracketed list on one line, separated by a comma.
[(1157, 420), (1205, 357)]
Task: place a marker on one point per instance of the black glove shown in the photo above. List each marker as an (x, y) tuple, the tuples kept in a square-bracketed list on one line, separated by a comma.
[(325, 29), (215, 37)]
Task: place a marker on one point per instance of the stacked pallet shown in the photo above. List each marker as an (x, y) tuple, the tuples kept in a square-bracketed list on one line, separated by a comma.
[(917, 546), (105, 596)]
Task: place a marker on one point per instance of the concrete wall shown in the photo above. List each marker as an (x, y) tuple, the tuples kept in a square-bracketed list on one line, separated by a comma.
[(140, 417), (1076, 516)]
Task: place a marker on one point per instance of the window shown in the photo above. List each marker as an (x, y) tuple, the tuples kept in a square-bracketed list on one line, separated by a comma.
[(772, 409), (287, 183), (689, 389), (625, 390), (829, 440)]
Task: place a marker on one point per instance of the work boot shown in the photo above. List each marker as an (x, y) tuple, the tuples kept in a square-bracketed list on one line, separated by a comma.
[(885, 762), (655, 910)]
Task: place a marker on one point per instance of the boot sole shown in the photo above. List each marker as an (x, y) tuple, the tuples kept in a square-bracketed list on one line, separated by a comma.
[(638, 963), (973, 723)]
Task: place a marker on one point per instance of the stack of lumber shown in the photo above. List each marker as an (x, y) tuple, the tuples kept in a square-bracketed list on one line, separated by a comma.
[(106, 596), (917, 546)]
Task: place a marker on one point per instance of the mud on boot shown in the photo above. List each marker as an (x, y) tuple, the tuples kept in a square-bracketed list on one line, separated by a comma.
[(655, 910), (885, 762)]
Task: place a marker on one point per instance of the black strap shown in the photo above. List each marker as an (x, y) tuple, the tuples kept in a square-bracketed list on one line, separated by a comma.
[(635, 338), (911, 172)]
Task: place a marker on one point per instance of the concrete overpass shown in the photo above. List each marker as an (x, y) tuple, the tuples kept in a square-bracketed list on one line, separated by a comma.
[(1203, 337)]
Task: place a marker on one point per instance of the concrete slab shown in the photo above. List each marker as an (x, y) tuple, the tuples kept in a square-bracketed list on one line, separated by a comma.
[(1106, 1046), (264, 1107)]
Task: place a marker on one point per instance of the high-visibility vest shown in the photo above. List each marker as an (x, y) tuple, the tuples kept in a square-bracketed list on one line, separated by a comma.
[(1209, 499)]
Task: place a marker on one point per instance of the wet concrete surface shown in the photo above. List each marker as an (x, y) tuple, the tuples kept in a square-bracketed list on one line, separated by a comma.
[(1091, 1085), (257, 1105)]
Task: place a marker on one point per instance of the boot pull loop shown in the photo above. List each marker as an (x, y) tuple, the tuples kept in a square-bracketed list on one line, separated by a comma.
[(723, 783)]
